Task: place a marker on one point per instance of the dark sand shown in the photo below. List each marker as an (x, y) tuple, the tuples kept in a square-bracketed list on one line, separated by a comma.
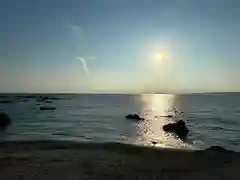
[(66, 160)]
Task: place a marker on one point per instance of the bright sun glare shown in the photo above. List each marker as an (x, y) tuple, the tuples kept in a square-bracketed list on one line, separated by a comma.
[(159, 56)]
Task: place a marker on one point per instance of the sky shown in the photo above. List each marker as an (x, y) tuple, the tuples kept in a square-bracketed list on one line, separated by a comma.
[(111, 46)]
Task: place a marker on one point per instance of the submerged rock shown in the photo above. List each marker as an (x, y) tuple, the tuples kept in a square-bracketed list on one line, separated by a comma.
[(23, 100), (47, 108), (4, 120), (179, 128), (134, 116), (47, 98), (6, 101), (42, 98), (218, 149), (28, 96), (48, 102), (54, 98)]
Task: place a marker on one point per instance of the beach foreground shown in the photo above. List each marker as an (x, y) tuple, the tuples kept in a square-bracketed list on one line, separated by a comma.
[(67, 160)]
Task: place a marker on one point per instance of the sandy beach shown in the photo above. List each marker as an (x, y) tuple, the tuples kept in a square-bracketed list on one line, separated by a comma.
[(67, 160)]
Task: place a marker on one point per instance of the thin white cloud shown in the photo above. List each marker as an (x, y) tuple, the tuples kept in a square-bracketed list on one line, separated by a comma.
[(84, 64), (77, 33)]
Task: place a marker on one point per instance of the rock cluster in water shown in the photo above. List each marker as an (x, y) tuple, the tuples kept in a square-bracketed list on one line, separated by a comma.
[(179, 128)]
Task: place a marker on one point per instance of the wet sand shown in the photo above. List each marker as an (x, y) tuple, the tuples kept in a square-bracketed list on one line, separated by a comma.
[(58, 160)]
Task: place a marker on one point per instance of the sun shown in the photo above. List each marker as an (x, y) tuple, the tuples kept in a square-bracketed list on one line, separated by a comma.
[(160, 56)]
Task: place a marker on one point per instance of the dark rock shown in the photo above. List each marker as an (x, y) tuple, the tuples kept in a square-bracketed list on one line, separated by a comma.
[(154, 142), (134, 116), (179, 128), (4, 120), (167, 116), (6, 101), (28, 96), (47, 108)]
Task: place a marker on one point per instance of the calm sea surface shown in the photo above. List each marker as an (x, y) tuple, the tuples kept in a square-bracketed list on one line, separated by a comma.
[(213, 119)]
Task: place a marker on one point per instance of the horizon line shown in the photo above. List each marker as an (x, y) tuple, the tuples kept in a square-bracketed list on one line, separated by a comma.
[(123, 93)]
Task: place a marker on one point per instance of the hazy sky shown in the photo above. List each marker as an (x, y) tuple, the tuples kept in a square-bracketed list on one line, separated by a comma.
[(111, 45)]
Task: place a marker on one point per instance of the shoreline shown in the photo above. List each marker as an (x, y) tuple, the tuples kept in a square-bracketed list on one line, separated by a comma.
[(86, 160)]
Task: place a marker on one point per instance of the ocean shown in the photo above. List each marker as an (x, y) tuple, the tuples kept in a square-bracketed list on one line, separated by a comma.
[(212, 118)]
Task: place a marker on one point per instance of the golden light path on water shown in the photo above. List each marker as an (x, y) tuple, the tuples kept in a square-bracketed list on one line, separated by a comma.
[(154, 106)]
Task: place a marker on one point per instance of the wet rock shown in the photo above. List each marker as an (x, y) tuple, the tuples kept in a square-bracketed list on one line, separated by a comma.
[(4, 120), (134, 117), (179, 128), (167, 116), (154, 142), (47, 108)]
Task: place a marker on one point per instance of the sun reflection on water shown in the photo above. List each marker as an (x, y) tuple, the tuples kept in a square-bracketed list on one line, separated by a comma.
[(155, 106)]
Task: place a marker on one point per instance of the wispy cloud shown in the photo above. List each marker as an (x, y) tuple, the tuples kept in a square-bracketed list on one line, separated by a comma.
[(84, 64), (77, 33)]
